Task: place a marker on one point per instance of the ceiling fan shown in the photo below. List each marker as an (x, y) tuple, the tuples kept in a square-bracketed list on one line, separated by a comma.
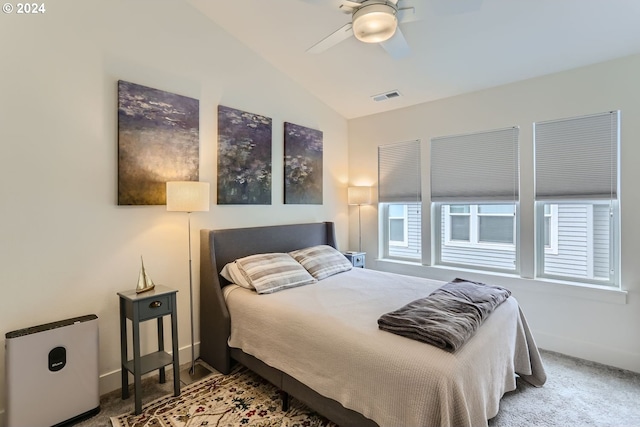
[(372, 21)]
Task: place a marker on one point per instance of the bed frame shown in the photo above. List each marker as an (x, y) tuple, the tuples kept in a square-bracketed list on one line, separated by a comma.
[(219, 247)]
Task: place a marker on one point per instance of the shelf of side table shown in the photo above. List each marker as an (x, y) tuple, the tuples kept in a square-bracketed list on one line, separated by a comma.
[(153, 304)]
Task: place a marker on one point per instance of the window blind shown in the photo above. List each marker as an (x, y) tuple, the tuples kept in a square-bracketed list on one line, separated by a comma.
[(399, 172), (577, 158), (477, 167)]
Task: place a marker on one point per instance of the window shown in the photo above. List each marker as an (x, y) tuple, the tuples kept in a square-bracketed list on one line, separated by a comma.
[(404, 231), (475, 191), (582, 237), (576, 167), (398, 225), (399, 194), (482, 236), (475, 201), (457, 223), (550, 228), (480, 225)]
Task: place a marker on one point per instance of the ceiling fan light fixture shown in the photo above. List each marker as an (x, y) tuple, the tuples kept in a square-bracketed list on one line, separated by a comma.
[(375, 23)]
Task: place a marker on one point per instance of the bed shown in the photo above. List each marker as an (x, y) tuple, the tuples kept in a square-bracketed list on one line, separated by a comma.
[(321, 343)]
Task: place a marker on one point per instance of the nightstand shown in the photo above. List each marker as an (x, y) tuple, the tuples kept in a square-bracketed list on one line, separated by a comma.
[(153, 304), (356, 258)]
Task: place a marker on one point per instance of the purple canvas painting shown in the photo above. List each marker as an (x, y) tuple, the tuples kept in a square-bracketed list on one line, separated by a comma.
[(244, 157), (158, 141), (302, 165)]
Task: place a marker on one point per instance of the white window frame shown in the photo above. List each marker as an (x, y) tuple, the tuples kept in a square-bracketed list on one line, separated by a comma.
[(474, 232), (593, 177), (552, 249)]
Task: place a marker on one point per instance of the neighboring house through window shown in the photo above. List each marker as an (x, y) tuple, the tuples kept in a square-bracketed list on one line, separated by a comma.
[(398, 225), (479, 225)]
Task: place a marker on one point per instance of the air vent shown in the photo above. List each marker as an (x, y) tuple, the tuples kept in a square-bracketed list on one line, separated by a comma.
[(385, 96)]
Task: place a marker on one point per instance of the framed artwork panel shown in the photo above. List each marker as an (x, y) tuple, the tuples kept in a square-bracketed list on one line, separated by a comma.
[(302, 165), (244, 157), (158, 141)]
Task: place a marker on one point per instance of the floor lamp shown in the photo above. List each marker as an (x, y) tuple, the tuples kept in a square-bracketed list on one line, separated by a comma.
[(189, 196), (359, 196)]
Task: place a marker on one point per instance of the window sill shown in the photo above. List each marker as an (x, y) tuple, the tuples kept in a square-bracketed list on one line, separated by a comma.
[(514, 282)]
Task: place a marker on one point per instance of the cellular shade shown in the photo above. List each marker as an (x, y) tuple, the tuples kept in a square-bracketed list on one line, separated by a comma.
[(399, 172), (476, 167), (577, 158)]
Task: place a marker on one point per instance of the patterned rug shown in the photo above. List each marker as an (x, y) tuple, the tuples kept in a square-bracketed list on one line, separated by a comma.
[(241, 398)]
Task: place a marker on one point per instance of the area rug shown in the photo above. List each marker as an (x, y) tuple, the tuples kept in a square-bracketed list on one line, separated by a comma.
[(241, 398)]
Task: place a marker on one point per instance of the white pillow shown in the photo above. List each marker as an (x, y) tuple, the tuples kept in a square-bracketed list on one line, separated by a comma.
[(273, 272), (322, 261), (232, 273)]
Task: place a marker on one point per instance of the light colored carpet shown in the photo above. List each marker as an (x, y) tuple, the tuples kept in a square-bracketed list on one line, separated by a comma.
[(577, 393)]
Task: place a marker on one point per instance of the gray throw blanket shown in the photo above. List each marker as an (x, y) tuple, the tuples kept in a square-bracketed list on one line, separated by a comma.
[(448, 317)]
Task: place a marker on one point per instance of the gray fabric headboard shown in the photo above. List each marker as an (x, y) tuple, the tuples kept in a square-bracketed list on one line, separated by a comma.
[(219, 247)]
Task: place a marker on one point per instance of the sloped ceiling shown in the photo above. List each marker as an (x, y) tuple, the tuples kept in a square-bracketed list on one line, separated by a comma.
[(457, 46)]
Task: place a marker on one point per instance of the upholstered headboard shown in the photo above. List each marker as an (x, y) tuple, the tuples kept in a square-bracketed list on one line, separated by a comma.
[(219, 247)]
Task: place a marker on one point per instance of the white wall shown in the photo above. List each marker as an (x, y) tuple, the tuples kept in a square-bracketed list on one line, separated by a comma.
[(66, 247), (598, 325)]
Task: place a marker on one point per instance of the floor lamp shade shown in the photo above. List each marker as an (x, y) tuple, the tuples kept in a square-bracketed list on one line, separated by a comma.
[(359, 195), (187, 196)]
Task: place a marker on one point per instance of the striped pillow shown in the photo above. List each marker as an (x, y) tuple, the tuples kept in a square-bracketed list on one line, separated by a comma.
[(273, 272), (232, 273), (322, 261)]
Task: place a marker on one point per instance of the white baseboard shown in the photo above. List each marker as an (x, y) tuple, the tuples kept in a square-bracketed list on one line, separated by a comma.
[(588, 351)]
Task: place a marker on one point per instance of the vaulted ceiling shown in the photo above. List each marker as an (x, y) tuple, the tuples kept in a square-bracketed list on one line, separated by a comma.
[(457, 46)]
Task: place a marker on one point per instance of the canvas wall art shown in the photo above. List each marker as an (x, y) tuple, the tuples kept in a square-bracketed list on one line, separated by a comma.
[(244, 157), (302, 165), (158, 141)]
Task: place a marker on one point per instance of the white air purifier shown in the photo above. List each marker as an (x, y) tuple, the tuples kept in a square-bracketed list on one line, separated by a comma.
[(52, 373)]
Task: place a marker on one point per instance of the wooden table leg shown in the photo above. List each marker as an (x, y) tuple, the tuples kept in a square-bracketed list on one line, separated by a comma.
[(123, 351)]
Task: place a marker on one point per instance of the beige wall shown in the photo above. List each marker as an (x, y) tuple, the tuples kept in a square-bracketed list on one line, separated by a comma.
[(599, 325), (67, 248)]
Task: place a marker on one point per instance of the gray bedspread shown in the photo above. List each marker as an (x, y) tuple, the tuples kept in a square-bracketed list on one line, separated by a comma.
[(448, 317)]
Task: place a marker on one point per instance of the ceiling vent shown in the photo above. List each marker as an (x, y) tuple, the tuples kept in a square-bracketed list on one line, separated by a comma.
[(385, 96)]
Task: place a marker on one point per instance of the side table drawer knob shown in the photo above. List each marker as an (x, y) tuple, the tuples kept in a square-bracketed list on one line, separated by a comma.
[(155, 304)]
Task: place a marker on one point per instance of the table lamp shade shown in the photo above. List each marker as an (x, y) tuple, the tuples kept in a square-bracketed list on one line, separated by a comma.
[(187, 196), (359, 195)]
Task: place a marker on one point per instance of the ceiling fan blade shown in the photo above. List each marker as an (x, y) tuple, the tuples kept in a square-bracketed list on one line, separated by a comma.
[(397, 45), (349, 6), (332, 39), (407, 14)]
